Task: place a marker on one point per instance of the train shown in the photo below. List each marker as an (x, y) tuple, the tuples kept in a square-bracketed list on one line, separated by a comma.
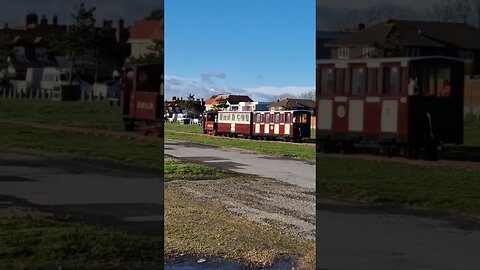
[(289, 125), (406, 105), (142, 98)]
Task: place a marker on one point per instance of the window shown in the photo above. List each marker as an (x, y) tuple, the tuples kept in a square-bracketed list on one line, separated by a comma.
[(239, 117), (466, 55), (343, 53), (288, 118), (243, 117), (411, 52), (391, 80), (259, 118), (282, 118), (300, 118), (368, 52), (277, 118), (437, 82), (358, 84), (328, 81), (267, 118), (233, 117), (247, 117)]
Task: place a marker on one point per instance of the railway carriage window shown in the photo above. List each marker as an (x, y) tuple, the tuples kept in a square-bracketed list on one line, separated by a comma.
[(282, 118), (277, 118), (391, 80), (233, 118), (328, 81), (243, 117), (288, 118), (259, 118), (239, 117), (148, 78), (358, 83), (247, 117), (267, 118)]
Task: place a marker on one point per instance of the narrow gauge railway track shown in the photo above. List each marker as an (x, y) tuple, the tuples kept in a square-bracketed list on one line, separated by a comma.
[(310, 142)]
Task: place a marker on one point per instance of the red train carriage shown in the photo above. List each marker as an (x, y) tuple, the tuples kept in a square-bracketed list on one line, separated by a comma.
[(232, 123), (143, 98), (294, 125), (401, 103), (210, 123)]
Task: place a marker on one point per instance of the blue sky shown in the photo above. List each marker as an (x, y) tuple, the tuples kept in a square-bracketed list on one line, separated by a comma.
[(265, 46), (13, 12)]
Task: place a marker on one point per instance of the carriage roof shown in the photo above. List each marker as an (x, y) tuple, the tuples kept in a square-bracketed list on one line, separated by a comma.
[(375, 62)]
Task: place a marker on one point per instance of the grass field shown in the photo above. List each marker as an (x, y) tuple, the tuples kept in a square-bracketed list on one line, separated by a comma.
[(31, 241), (304, 152), (446, 189), (81, 114)]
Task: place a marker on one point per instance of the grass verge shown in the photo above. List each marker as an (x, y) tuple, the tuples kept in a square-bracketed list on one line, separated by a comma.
[(298, 151), (29, 242), (445, 189), (80, 114)]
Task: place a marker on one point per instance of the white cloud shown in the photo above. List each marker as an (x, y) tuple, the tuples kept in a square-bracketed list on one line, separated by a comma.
[(181, 87), (275, 91)]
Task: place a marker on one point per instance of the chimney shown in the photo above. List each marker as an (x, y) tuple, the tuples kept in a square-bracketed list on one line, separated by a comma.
[(32, 19), (120, 29), (55, 20), (44, 20), (361, 26), (174, 98)]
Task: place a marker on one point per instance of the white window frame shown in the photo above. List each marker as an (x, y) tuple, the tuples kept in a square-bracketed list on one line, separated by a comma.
[(343, 53)]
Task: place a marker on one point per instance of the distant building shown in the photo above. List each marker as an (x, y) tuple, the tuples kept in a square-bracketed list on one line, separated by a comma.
[(234, 102), (322, 38), (400, 38), (143, 34), (32, 44), (293, 104)]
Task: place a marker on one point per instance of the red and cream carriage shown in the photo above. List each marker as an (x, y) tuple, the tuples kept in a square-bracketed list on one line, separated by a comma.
[(234, 123), (293, 125), (405, 103)]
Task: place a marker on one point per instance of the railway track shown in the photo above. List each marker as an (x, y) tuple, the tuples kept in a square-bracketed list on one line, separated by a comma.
[(310, 142)]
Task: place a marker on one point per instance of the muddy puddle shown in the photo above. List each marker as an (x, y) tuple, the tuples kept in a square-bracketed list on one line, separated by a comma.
[(221, 264)]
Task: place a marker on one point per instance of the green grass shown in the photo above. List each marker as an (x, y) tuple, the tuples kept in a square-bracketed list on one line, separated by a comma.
[(179, 170), (81, 114), (146, 153), (303, 152), (445, 189), (183, 128), (40, 243), (472, 132)]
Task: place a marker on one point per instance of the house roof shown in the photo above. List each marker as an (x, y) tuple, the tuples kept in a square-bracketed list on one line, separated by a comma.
[(415, 33), (232, 99), (294, 103), (148, 30)]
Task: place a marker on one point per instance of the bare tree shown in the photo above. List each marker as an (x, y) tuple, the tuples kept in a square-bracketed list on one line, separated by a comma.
[(453, 10), (374, 14)]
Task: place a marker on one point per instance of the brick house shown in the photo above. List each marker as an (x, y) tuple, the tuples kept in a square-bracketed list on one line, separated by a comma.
[(143, 34), (234, 102), (293, 104), (401, 38)]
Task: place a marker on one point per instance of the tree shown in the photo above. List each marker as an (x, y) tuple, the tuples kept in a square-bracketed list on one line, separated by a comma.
[(390, 47), (79, 41), (453, 10), (310, 94), (5, 47), (157, 14), (155, 56), (220, 105), (192, 106), (374, 14)]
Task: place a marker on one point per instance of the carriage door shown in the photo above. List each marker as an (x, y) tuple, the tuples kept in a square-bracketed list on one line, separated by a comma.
[(276, 129), (288, 121)]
